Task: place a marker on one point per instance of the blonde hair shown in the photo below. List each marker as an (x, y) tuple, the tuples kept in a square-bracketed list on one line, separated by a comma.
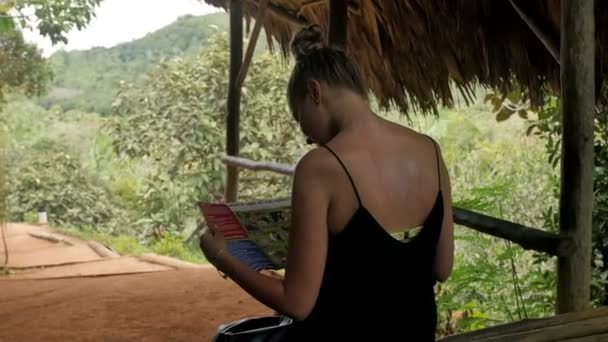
[(315, 60)]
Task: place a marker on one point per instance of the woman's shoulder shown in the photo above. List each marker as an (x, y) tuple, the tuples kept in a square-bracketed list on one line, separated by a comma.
[(316, 161), (410, 134)]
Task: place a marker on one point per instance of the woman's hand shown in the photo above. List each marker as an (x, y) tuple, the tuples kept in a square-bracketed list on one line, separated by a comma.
[(212, 245)]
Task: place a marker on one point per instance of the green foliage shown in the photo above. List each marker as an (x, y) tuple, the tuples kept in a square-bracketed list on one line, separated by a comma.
[(46, 151), (89, 80), (134, 184), (499, 173), (515, 102), (22, 66), (172, 244), (89, 195), (50, 178), (547, 125), (52, 18), (175, 120)]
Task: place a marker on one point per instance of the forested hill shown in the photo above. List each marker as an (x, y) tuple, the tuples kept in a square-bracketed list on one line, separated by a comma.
[(88, 79)]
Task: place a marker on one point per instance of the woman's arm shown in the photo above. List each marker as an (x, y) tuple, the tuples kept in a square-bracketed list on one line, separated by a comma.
[(296, 294)]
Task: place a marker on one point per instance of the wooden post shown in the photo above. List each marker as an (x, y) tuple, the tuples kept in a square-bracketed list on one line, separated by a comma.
[(259, 20), (577, 111), (338, 23), (234, 97)]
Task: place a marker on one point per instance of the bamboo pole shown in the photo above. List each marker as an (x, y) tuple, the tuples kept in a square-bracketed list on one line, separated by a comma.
[(577, 112), (234, 97)]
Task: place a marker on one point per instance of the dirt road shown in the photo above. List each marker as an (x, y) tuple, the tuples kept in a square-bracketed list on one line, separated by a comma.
[(181, 305), (75, 294)]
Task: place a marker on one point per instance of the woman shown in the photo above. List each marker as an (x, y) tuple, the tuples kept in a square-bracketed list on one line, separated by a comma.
[(368, 181)]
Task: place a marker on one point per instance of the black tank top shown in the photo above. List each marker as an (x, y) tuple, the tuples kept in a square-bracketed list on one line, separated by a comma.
[(375, 287)]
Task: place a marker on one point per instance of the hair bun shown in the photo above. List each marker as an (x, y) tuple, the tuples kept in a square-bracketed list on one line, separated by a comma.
[(307, 41)]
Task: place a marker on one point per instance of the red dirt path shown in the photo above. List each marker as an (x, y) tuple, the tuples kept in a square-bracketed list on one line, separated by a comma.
[(180, 305), (81, 295)]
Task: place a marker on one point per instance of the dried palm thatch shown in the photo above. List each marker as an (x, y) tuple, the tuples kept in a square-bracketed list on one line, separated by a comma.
[(414, 53)]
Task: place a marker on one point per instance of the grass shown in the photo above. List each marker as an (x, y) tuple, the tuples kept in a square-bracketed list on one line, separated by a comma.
[(170, 245)]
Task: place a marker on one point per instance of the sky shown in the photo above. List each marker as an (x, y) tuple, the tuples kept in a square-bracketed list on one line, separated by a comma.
[(119, 21)]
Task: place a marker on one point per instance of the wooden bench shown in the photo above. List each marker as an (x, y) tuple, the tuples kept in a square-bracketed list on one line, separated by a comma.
[(591, 325)]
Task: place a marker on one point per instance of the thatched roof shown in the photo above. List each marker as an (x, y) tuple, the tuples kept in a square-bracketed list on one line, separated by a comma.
[(411, 50)]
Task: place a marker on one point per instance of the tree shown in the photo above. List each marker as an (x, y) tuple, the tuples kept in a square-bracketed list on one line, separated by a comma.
[(89, 80), (21, 64), (175, 120), (52, 18), (51, 178)]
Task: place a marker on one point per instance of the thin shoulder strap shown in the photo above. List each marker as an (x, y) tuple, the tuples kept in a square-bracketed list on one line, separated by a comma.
[(352, 182), (438, 161)]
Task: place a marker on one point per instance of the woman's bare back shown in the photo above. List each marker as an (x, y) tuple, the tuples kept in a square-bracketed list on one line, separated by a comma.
[(395, 171)]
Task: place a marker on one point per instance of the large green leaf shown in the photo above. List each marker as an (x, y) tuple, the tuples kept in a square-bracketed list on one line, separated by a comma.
[(503, 114)]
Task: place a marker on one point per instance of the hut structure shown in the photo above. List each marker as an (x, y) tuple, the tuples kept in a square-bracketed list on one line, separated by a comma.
[(416, 54)]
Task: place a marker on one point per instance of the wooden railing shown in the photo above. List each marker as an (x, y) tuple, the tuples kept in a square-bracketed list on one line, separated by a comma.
[(527, 237)]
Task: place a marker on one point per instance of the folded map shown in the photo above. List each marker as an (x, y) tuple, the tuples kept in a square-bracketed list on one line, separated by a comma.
[(256, 232)]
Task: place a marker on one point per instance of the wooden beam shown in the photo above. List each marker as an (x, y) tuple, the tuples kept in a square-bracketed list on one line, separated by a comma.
[(258, 166), (550, 43), (309, 4), (296, 19), (590, 338), (528, 238), (281, 13), (51, 237), (527, 325), (592, 327), (102, 250), (253, 41), (164, 260), (338, 23), (234, 97), (577, 112), (354, 6)]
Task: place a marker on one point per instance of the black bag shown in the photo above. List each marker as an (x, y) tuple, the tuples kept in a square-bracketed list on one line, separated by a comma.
[(256, 329)]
